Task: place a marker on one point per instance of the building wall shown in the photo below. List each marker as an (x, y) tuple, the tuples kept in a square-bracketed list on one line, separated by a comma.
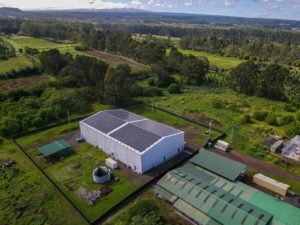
[(166, 149), (159, 153)]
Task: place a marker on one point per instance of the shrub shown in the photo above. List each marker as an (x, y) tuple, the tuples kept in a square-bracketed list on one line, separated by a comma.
[(260, 115), (81, 48), (174, 89), (218, 103), (272, 119), (135, 90), (152, 91), (246, 119), (151, 81), (289, 108), (293, 129), (298, 116), (285, 120), (1, 141)]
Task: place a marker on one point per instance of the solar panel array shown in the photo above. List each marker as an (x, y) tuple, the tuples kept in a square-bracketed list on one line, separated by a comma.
[(137, 132), (156, 128), (104, 122), (135, 137), (125, 115)]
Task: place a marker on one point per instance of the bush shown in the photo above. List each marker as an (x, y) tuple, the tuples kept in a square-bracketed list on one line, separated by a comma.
[(298, 116), (272, 119), (289, 108), (246, 119), (260, 115), (285, 120), (174, 89), (1, 141), (81, 48), (152, 91), (218, 103), (135, 90), (293, 129), (151, 81)]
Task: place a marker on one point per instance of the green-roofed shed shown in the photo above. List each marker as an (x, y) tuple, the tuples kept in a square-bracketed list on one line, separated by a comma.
[(56, 148), (218, 164)]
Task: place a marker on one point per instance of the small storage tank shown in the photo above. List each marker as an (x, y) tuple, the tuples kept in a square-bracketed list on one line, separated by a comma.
[(101, 175)]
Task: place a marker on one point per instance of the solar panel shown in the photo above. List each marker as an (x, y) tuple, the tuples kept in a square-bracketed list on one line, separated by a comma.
[(104, 122), (125, 115), (156, 128), (135, 137)]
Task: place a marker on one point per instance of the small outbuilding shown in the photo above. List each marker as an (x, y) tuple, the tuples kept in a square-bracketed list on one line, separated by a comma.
[(222, 145), (277, 146), (271, 184), (292, 149), (111, 163), (55, 149)]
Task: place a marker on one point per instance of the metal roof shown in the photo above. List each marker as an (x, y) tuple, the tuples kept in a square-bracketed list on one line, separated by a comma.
[(54, 148), (219, 204), (193, 187), (135, 137), (155, 127), (133, 130), (124, 115), (218, 164), (104, 122)]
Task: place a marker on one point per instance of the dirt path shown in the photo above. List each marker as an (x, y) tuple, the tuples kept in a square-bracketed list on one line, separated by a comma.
[(261, 166)]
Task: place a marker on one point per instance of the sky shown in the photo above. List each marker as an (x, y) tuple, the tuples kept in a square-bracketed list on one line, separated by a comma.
[(281, 9)]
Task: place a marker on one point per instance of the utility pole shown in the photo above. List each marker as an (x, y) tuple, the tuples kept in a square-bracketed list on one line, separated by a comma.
[(232, 132), (152, 104), (210, 124), (68, 112)]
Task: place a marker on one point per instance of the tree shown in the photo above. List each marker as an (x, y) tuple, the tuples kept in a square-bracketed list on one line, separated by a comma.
[(271, 84), (52, 61), (194, 69), (162, 77), (244, 78), (116, 84), (175, 59)]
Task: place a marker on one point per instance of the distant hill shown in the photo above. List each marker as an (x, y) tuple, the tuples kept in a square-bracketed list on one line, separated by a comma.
[(140, 16), (8, 10)]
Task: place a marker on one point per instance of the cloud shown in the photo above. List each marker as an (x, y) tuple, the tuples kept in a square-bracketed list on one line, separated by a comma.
[(188, 3)]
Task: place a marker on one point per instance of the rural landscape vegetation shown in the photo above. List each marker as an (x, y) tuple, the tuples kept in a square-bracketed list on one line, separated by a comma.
[(245, 80)]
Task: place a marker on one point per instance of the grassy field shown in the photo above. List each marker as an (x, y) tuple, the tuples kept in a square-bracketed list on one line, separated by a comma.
[(167, 211), (16, 63), (227, 108), (225, 63), (13, 84), (71, 179), (27, 197), (115, 60), (40, 44)]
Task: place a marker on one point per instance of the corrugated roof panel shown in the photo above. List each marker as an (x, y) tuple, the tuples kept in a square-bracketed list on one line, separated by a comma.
[(135, 137), (220, 205), (218, 164), (104, 122)]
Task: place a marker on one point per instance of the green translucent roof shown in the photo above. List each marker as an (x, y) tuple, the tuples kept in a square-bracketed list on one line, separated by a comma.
[(54, 148), (218, 164), (218, 204)]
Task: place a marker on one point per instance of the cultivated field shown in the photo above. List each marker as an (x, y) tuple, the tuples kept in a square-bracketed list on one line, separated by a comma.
[(38, 43), (16, 63), (221, 62), (115, 60), (13, 84)]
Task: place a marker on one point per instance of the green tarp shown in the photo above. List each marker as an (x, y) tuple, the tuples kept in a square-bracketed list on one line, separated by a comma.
[(54, 148)]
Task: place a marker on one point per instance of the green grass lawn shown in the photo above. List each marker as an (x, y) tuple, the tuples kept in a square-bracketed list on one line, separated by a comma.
[(197, 103), (70, 179), (38, 43), (16, 63), (222, 62), (27, 197)]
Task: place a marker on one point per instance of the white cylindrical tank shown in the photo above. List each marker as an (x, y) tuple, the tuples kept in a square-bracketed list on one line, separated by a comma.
[(101, 175)]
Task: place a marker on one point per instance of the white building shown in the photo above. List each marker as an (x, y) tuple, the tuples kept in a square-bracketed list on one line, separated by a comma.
[(139, 143)]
